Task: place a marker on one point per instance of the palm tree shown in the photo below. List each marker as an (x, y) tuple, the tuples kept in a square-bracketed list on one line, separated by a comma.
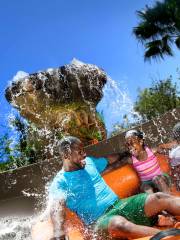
[(159, 28)]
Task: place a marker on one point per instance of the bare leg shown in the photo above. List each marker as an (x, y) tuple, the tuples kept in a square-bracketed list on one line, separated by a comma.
[(121, 227), (155, 203), (158, 202), (161, 184)]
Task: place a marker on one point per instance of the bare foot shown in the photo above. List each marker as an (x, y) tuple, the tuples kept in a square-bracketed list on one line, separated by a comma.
[(166, 221), (177, 225)]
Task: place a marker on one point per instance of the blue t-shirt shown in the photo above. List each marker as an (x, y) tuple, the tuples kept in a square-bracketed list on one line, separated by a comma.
[(84, 190)]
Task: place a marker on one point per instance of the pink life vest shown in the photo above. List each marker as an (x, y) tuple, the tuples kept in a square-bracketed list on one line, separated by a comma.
[(149, 168)]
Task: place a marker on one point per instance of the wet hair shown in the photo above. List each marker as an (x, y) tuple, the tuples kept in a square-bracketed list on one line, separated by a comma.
[(176, 131), (66, 143), (132, 133)]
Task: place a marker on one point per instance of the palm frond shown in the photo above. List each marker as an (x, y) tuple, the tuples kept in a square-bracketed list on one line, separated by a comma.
[(153, 52), (146, 31), (166, 50), (158, 27), (177, 42)]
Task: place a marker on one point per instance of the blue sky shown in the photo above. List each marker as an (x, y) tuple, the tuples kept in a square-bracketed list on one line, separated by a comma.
[(38, 34)]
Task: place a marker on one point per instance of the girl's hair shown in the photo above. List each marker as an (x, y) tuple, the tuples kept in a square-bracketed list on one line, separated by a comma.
[(135, 133), (176, 131)]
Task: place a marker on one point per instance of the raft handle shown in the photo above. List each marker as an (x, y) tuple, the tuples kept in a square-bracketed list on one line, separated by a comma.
[(166, 233)]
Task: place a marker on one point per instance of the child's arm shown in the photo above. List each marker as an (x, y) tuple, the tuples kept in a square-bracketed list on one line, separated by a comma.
[(168, 145), (164, 148)]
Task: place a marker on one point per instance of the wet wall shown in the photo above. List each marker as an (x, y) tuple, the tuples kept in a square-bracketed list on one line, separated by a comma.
[(22, 190)]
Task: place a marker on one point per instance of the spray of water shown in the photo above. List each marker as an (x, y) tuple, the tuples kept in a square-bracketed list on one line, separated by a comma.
[(116, 104)]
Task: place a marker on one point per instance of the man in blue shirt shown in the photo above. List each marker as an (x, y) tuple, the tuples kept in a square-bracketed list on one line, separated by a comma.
[(80, 187)]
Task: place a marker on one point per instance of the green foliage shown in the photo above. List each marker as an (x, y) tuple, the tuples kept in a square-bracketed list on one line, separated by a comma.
[(117, 129), (20, 152), (159, 28), (124, 126), (5, 151), (90, 133), (100, 116), (158, 99), (9, 154)]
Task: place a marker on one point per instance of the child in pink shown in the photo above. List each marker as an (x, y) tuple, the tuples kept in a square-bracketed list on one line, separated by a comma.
[(145, 163)]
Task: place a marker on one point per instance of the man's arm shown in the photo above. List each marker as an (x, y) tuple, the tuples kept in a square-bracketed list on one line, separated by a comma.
[(57, 213), (117, 160)]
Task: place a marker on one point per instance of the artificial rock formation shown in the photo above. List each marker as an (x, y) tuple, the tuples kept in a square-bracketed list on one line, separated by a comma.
[(62, 100)]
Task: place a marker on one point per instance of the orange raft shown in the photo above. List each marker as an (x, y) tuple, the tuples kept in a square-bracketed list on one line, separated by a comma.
[(124, 182)]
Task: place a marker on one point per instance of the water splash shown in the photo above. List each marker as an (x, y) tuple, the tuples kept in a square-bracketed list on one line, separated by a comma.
[(19, 75), (115, 104), (15, 228), (173, 112), (75, 63)]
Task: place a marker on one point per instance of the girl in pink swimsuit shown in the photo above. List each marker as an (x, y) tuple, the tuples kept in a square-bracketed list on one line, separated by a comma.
[(145, 163)]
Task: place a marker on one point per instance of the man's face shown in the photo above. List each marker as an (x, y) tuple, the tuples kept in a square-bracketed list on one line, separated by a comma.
[(77, 155), (135, 145)]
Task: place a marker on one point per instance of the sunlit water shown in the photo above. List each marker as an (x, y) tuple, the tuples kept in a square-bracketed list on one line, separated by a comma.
[(15, 228), (116, 106)]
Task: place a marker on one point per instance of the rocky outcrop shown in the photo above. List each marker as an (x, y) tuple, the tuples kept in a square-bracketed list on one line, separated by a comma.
[(62, 100)]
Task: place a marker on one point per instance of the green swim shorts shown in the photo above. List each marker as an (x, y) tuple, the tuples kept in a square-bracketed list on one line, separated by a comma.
[(131, 208)]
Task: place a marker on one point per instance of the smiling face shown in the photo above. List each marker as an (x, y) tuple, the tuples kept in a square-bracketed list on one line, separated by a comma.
[(135, 145), (74, 157), (78, 155)]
